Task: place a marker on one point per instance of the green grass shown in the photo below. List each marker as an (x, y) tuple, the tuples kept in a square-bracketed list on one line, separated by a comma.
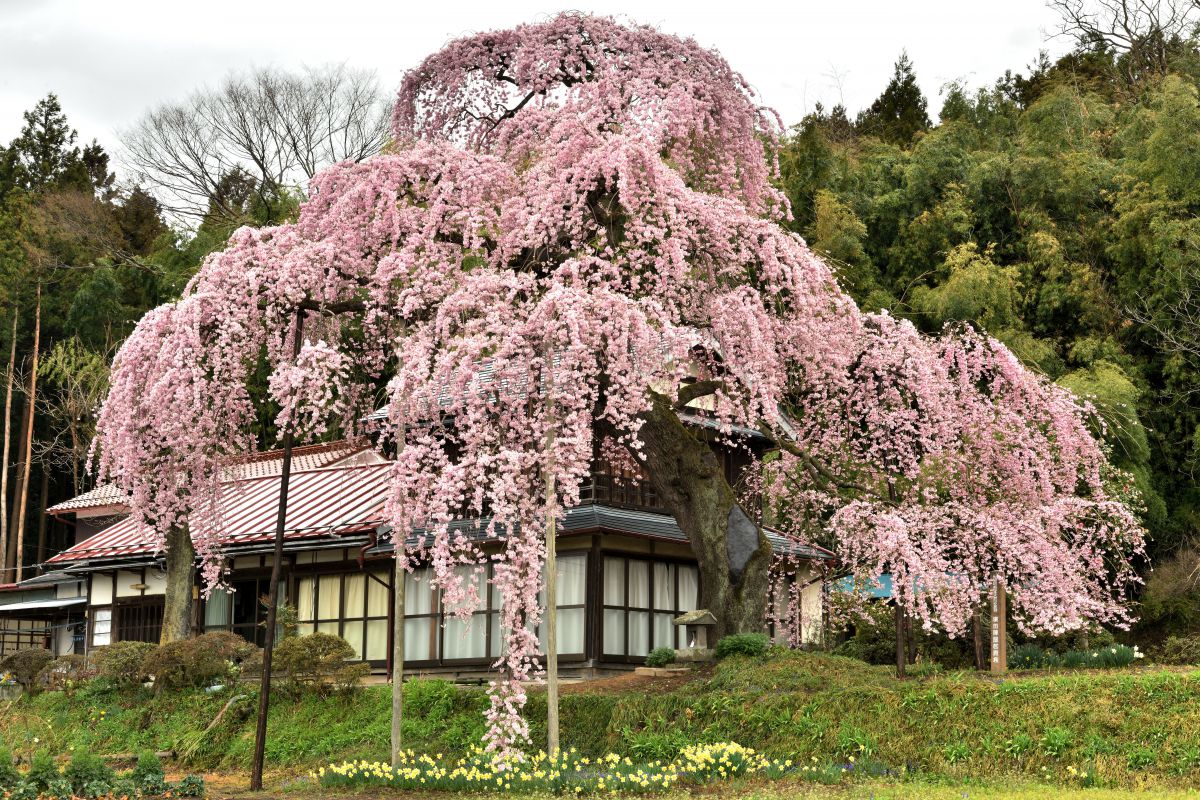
[(1129, 728)]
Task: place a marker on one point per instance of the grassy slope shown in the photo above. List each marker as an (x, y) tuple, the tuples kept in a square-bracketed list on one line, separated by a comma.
[(1136, 727)]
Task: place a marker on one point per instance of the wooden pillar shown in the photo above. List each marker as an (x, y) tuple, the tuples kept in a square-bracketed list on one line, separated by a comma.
[(999, 629), (398, 588)]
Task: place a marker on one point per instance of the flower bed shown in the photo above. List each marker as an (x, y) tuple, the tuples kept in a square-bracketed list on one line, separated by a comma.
[(568, 772)]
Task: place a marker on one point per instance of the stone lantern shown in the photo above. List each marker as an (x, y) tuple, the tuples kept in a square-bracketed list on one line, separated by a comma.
[(699, 628)]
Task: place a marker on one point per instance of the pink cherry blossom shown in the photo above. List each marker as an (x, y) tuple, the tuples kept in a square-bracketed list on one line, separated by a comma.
[(577, 213)]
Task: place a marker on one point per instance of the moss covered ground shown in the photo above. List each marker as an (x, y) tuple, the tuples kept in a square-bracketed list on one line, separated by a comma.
[(947, 734)]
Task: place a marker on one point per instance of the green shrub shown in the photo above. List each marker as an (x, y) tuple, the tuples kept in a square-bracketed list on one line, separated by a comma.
[(1031, 656), (743, 644), (1180, 650), (191, 786), (86, 768), (95, 790), (124, 787), (198, 662), (42, 771), (660, 657), (24, 665), (147, 774), (58, 789), (318, 662), (124, 663), (9, 777), (1113, 657), (64, 673)]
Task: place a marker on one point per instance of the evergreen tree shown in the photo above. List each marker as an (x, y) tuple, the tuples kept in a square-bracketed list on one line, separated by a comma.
[(898, 114)]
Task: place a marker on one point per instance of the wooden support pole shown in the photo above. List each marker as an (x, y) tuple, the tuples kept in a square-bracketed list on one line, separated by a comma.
[(551, 500), (264, 691), (551, 621), (398, 590)]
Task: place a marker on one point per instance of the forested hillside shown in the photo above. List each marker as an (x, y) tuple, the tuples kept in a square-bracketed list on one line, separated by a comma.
[(1056, 208)]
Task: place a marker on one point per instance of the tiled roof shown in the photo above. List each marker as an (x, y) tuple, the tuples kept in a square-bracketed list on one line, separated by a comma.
[(340, 500), (255, 465), (635, 522)]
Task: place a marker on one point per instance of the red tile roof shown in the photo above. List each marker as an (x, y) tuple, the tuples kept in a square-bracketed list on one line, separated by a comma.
[(269, 462), (340, 500)]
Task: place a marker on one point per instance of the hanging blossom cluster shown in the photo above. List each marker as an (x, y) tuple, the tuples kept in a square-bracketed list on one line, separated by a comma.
[(576, 214), (947, 465)]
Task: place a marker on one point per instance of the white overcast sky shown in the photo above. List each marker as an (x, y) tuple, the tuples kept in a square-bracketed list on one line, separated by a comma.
[(109, 60)]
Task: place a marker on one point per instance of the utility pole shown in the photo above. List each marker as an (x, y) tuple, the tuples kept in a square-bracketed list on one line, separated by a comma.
[(264, 691)]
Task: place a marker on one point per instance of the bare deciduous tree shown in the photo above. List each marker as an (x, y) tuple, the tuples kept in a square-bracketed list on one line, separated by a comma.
[(1141, 33), (278, 128)]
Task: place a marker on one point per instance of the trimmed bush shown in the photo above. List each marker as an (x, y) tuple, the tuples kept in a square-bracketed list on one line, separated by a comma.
[(199, 662), (660, 657), (318, 662), (64, 673), (124, 663), (87, 771), (24, 665), (743, 644)]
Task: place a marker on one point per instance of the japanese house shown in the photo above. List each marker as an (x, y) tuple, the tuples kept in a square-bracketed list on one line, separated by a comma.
[(625, 569)]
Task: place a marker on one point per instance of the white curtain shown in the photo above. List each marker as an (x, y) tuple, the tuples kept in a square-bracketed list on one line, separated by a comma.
[(216, 610), (329, 598), (614, 581), (418, 639), (572, 581), (639, 633), (664, 587), (377, 595), (465, 638), (689, 589), (664, 630), (352, 632), (305, 608), (614, 632), (377, 639), (354, 595), (639, 584)]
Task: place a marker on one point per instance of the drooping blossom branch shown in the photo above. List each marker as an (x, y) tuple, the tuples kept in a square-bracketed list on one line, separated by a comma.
[(577, 215)]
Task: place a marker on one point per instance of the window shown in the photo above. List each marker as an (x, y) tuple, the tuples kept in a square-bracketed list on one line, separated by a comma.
[(139, 620), (243, 609), (641, 600), (351, 605), (433, 632), (572, 598), (101, 627)]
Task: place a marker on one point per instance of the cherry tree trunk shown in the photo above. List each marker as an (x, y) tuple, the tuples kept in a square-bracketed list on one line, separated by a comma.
[(181, 570), (734, 554)]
